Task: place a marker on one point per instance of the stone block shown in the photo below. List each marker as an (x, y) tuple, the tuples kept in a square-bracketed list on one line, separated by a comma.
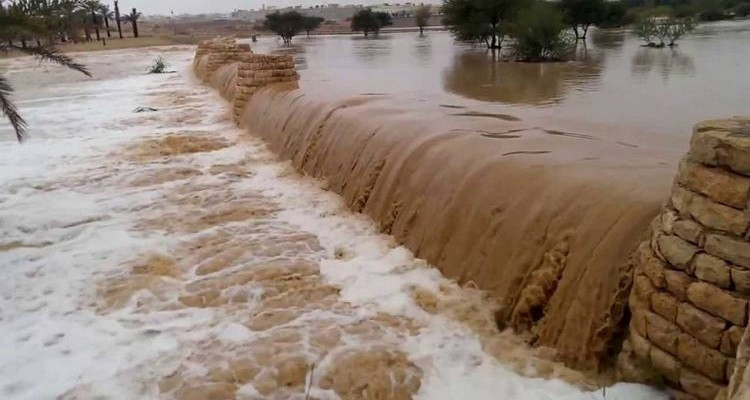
[(678, 283), (641, 346), (665, 305), (675, 394), (638, 310), (643, 288), (730, 340), (709, 213), (718, 302), (676, 251), (724, 143), (662, 332), (731, 366), (736, 251), (712, 269), (719, 184), (665, 221), (741, 280), (700, 357), (652, 267), (666, 364), (698, 385), (701, 325), (689, 230)]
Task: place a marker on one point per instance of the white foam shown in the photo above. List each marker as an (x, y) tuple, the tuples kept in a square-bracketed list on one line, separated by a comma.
[(53, 340)]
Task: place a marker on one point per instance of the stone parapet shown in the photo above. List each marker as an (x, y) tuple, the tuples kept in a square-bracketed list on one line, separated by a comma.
[(254, 71), (689, 302)]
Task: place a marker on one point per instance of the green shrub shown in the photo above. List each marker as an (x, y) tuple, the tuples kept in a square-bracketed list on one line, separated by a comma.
[(158, 67), (660, 30), (541, 34)]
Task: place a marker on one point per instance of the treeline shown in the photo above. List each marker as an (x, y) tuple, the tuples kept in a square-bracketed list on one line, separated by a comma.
[(702, 10), (543, 30), (60, 21), (289, 24)]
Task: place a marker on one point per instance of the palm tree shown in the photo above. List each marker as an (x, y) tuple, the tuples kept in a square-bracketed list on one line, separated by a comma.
[(117, 19), (133, 19), (107, 15), (18, 25), (93, 7)]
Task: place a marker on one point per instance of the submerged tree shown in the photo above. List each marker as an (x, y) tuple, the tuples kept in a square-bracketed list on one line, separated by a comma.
[(311, 23), (661, 28), (287, 25), (422, 17), (367, 21), (541, 34), (11, 25), (581, 14), (481, 21)]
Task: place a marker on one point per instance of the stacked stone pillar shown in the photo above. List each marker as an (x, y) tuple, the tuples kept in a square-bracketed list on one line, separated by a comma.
[(254, 71), (689, 302), (218, 52)]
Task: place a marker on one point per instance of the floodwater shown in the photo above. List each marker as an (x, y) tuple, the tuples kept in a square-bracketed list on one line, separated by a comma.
[(613, 84), (169, 255)]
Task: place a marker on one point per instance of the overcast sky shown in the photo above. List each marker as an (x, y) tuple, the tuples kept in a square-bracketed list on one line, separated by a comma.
[(223, 6)]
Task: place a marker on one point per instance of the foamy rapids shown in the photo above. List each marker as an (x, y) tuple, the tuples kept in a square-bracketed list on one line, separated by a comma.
[(167, 254)]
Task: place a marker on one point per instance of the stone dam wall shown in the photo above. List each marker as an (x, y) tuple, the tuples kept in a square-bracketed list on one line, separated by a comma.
[(582, 251), (689, 302)]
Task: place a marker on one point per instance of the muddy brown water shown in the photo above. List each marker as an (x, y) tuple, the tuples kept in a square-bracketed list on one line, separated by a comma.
[(614, 83)]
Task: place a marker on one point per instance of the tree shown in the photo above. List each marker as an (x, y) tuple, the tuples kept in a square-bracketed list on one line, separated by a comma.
[(367, 21), (117, 19), (107, 15), (133, 18), (422, 17), (311, 23), (481, 21), (287, 25), (581, 14), (659, 28), (12, 25), (616, 15), (93, 7), (540, 34)]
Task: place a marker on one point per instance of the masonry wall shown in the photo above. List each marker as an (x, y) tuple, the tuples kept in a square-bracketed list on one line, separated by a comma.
[(689, 302), (248, 72)]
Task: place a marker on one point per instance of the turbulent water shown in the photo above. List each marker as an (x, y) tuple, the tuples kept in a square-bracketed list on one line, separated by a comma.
[(545, 220), (167, 254)]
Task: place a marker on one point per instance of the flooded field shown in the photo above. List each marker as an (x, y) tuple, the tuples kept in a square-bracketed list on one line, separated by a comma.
[(614, 84)]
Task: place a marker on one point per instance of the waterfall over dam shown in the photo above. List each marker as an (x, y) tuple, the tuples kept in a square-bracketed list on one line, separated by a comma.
[(548, 222)]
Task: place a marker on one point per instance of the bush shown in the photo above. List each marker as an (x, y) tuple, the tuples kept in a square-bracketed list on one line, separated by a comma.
[(742, 10), (540, 34), (158, 67), (368, 21), (660, 29)]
